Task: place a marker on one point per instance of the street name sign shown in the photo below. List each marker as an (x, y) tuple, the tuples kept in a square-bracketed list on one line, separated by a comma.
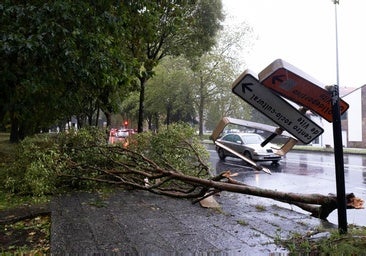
[(247, 87), (297, 86)]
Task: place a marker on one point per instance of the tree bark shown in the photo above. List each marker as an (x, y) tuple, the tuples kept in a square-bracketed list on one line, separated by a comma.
[(14, 130), (201, 107), (140, 122), (108, 116)]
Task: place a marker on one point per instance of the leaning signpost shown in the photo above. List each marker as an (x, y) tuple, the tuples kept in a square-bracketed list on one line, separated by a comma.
[(278, 81), (282, 79), (295, 85)]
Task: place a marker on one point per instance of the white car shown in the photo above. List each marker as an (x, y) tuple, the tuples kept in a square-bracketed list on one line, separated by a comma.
[(249, 145), (122, 133)]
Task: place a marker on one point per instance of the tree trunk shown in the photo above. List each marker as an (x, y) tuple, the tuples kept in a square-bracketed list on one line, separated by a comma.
[(156, 121), (201, 107), (14, 133), (108, 116), (97, 117), (318, 205), (168, 113), (140, 122)]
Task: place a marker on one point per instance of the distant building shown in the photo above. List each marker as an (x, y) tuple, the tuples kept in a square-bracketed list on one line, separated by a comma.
[(354, 121)]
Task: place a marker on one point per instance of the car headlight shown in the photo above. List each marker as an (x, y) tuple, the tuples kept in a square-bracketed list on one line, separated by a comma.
[(259, 151)]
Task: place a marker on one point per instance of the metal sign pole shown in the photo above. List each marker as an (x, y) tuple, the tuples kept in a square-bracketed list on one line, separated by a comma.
[(339, 164), (338, 147)]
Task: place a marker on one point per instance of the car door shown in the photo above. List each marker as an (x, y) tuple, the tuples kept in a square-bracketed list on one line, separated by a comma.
[(228, 141), (232, 141), (237, 143)]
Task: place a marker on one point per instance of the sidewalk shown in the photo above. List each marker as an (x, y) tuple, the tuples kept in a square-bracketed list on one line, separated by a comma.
[(142, 223)]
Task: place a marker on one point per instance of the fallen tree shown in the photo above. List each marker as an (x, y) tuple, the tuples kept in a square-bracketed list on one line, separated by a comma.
[(132, 170), (172, 162)]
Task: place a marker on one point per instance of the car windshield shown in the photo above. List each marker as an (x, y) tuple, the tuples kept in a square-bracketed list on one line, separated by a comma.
[(252, 139)]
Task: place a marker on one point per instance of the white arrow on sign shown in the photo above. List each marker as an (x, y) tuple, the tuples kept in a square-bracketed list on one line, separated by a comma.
[(277, 109)]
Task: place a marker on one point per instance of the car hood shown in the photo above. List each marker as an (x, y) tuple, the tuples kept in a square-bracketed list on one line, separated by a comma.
[(259, 148)]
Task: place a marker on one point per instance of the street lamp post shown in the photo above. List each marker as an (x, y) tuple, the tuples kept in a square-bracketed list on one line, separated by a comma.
[(336, 34)]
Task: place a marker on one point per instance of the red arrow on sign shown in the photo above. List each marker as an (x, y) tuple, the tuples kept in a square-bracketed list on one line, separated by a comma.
[(299, 87)]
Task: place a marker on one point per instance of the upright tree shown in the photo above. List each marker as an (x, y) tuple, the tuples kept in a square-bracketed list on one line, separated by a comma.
[(58, 58), (215, 71), (162, 28), (169, 93)]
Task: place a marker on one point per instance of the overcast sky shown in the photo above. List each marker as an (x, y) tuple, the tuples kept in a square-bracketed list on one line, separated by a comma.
[(303, 34)]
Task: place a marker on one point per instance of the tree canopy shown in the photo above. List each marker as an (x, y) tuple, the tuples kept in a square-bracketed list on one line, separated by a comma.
[(162, 28), (169, 94), (73, 58)]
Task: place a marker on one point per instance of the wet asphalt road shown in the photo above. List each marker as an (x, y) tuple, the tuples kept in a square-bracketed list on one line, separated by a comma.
[(305, 172)]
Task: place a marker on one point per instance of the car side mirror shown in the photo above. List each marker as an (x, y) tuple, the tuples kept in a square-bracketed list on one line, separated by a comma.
[(239, 142)]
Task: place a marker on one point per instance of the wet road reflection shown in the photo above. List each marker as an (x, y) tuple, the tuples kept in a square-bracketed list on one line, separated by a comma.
[(304, 172)]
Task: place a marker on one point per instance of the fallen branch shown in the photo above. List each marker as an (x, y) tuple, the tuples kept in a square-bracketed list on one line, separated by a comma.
[(16, 214), (126, 168)]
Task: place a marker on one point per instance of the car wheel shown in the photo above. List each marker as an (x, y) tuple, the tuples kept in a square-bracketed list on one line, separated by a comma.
[(221, 154), (248, 155), (275, 163)]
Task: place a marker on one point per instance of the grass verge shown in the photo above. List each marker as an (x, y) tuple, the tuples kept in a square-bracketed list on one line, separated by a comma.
[(328, 243), (26, 237)]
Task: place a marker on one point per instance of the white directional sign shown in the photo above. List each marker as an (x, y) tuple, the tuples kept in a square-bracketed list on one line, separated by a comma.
[(277, 109)]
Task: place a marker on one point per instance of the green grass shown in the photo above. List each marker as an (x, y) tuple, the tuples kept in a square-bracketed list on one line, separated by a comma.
[(243, 222), (7, 149), (7, 156), (329, 150), (260, 208), (352, 243), (27, 237), (8, 200)]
